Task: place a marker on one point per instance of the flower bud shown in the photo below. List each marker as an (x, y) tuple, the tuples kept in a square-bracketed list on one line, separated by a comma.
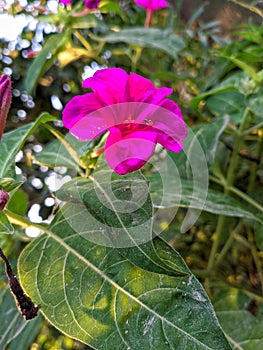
[(4, 198), (5, 100)]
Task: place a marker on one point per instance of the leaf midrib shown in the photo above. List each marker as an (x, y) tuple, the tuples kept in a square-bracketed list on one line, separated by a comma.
[(119, 288)]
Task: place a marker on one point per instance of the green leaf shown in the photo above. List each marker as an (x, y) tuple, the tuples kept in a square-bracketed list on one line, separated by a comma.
[(27, 336), (180, 193), (201, 142), (66, 151), (231, 103), (11, 321), (5, 226), (232, 83), (92, 293), (41, 63), (148, 37), (18, 203), (13, 141), (118, 208), (255, 103), (244, 330), (55, 154), (8, 184)]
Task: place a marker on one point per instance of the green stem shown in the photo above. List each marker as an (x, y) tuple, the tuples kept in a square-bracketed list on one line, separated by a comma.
[(254, 166), (250, 130), (23, 222), (83, 41), (229, 181), (254, 253), (247, 198), (239, 193), (136, 57), (227, 245)]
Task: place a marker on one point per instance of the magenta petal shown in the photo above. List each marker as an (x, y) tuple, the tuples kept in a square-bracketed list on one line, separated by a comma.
[(79, 107), (169, 143), (109, 85), (94, 124), (173, 107), (128, 154), (152, 5), (91, 4), (138, 86), (65, 2)]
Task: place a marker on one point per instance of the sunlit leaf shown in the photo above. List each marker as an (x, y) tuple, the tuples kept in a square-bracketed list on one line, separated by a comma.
[(72, 54), (92, 293)]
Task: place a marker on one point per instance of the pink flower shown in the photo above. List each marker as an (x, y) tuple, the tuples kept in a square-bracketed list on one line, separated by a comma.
[(89, 4), (65, 2), (152, 5), (136, 113), (5, 100)]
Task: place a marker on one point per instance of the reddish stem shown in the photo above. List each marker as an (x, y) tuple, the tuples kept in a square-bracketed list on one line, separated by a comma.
[(148, 19)]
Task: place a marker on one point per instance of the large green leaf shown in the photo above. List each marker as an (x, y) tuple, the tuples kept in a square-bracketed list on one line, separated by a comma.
[(117, 208), (92, 293), (243, 329), (148, 37), (13, 141)]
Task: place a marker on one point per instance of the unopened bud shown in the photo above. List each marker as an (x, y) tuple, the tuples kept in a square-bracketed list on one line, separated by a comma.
[(4, 198), (5, 100)]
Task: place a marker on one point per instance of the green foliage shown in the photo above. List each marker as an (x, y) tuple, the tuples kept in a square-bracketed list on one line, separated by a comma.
[(108, 269), (117, 303)]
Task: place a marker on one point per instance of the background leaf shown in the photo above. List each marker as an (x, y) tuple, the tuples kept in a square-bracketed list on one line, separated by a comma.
[(181, 194), (243, 329), (5, 226), (148, 37), (13, 141), (11, 321), (42, 63)]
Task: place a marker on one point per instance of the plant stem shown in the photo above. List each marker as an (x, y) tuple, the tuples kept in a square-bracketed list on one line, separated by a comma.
[(255, 256), (21, 221), (254, 166), (247, 198), (228, 183), (148, 19), (227, 246), (239, 193), (83, 41)]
